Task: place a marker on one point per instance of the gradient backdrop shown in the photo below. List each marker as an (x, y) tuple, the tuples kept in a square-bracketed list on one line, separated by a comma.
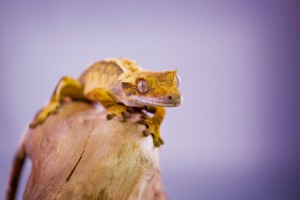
[(237, 135)]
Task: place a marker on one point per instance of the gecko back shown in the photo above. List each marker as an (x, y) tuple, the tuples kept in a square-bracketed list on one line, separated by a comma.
[(105, 74)]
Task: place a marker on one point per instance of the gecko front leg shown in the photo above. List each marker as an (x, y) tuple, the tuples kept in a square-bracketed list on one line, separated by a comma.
[(109, 102), (153, 124)]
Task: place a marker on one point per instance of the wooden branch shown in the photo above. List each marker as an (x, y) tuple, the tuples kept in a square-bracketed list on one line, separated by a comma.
[(79, 154)]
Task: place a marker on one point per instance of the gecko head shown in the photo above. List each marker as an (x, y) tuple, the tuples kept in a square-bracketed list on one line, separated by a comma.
[(146, 88)]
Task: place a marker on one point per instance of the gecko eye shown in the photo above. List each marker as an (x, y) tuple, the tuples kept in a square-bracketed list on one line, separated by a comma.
[(177, 81), (143, 86)]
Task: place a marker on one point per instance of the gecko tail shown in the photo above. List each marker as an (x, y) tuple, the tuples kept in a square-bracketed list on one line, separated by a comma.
[(15, 172)]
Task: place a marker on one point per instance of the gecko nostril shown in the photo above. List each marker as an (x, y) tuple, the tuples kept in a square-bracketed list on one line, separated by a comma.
[(170, 98)]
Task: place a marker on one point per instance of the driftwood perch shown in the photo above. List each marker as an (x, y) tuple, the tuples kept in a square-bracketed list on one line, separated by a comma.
[(79, 154)]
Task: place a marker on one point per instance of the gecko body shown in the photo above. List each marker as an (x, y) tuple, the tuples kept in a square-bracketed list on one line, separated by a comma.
[(119, 84)]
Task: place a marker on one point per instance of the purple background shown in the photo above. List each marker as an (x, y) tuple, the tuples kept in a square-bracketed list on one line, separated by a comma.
[(237, 135)]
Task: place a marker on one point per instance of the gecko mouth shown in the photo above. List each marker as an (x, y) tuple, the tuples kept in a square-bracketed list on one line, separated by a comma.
[(150, 101)]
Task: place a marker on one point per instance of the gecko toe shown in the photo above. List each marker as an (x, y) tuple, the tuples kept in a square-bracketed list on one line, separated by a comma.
[(54, 111), (144, 117), (122, 117), (130, 110), (161, 141), (144, 122), (156, 141), (110, 116), (146, 132), (32, 125)]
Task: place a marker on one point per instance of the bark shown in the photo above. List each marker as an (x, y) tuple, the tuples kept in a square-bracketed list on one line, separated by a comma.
[(79, 154)]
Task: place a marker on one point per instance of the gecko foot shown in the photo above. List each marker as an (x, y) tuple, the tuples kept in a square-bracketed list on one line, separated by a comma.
[(117, 110), (151, 128), (42, 115)]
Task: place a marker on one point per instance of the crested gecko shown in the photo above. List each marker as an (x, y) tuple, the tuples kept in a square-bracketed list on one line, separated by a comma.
[(118, 85)]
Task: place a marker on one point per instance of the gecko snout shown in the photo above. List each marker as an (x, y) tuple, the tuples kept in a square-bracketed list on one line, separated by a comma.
[(174, 99)]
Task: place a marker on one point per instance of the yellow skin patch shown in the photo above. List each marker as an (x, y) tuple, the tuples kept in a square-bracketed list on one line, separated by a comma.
[(119, 85)]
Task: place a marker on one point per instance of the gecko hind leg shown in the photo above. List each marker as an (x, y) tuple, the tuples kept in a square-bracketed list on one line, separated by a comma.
[(66, 87)]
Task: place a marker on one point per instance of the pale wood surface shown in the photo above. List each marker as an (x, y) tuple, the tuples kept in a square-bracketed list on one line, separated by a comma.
[(79, 154)]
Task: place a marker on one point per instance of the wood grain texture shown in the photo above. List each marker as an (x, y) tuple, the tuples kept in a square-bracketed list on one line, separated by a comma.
[(79, 154)]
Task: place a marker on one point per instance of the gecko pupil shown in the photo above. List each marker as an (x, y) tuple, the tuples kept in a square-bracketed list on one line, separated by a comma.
[(143, 86)]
